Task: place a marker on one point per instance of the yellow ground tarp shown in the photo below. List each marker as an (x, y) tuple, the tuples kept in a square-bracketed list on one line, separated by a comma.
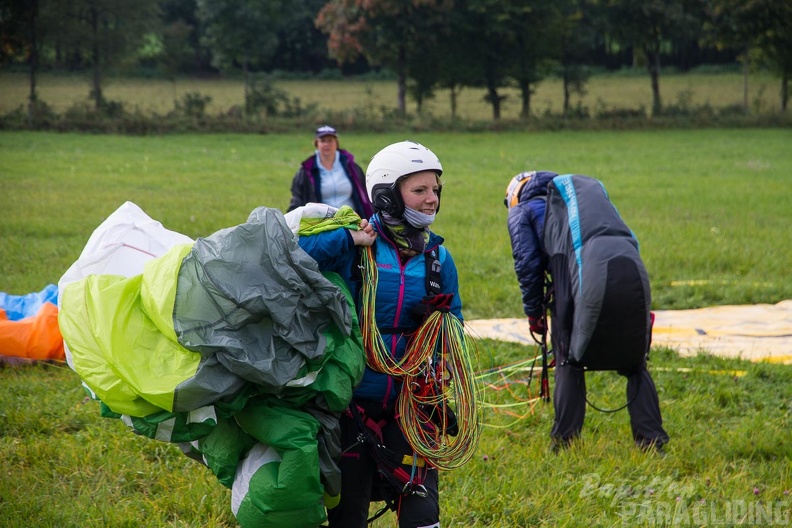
[(760, 332)]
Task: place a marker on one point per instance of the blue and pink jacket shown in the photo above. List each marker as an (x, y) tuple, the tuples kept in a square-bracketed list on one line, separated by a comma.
[(401, 286)]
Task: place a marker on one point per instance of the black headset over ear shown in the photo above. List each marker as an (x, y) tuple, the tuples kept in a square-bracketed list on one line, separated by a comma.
[(387, 199)]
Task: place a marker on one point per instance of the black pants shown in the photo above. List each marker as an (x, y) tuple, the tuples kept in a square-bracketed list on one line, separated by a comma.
[(361, 482), (569, 401)]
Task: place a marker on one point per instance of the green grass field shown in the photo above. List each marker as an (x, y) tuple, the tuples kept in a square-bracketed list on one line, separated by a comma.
[(708, 207), (729, 461), (711, 209)]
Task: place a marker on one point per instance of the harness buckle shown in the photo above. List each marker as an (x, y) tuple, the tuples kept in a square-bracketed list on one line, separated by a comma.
[(415, 489)]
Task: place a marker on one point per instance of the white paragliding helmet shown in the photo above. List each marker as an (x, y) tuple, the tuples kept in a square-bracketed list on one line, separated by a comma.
[(390, 164)]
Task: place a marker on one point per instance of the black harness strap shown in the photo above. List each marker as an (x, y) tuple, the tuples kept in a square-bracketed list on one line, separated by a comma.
[(433, 277), (388, 461)]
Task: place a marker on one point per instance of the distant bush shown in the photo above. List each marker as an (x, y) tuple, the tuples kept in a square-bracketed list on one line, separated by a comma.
[(37, 113), (578, 111), (732, 110), (330, 74), (193, 104), (111, 109), (264, 100), (683, 107), (604, 111), (271, 110), (709, 69)]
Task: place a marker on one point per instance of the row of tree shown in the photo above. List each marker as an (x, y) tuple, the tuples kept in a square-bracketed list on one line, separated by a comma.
[(428, 44)]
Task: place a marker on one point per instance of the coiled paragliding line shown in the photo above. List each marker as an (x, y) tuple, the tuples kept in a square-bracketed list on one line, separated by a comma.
[(437, 359)]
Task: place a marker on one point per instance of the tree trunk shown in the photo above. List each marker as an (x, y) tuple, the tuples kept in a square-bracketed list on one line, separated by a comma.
[(495, 101), (96, 91), (453, 94), (566, 91), (33, 61), (525, 93), (784, 92), (745, 79), (653, 63), (401, 96), (246, 86)]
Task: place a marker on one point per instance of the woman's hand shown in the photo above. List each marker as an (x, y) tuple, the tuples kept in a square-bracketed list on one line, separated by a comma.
[(365, 236)]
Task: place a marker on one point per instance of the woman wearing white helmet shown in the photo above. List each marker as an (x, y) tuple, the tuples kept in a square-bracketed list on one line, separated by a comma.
[(403, 184)]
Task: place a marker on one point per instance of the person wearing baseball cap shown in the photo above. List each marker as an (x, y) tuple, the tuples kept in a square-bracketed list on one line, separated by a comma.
[(330, 176)]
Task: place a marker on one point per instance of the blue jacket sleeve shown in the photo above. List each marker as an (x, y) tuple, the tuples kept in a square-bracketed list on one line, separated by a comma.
[(332, 250), (525, 223)]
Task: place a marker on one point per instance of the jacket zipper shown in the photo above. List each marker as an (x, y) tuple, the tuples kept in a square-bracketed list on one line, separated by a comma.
[(394, 337)]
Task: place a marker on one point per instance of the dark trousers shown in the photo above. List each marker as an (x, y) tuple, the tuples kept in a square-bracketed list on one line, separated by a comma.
[(569, 401), (361, 483)]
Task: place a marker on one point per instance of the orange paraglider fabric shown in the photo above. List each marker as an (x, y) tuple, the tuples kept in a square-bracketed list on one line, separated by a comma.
[(37, 337)]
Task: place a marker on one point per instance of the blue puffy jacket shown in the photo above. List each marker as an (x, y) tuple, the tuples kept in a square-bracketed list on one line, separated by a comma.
[(400, 288), (526, 224)]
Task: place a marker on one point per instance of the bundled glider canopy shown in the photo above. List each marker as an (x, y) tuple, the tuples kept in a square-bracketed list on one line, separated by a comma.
[(235, 346)]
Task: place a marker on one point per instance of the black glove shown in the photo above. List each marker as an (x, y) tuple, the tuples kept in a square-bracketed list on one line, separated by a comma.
[(430, 304)]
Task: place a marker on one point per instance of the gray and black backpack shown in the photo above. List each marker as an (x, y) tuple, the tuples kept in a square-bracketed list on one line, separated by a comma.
[(601, 291)]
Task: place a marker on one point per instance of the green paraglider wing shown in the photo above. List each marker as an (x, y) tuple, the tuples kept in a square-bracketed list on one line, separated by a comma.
[(127, 355), (237, 348)]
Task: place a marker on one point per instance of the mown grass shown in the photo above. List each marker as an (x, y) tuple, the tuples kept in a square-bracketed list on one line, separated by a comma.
[(730, 449), (711, 209), (66, 466)]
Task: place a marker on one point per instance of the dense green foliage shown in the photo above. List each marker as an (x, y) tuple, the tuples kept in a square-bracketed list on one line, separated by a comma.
[(427, 45)]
